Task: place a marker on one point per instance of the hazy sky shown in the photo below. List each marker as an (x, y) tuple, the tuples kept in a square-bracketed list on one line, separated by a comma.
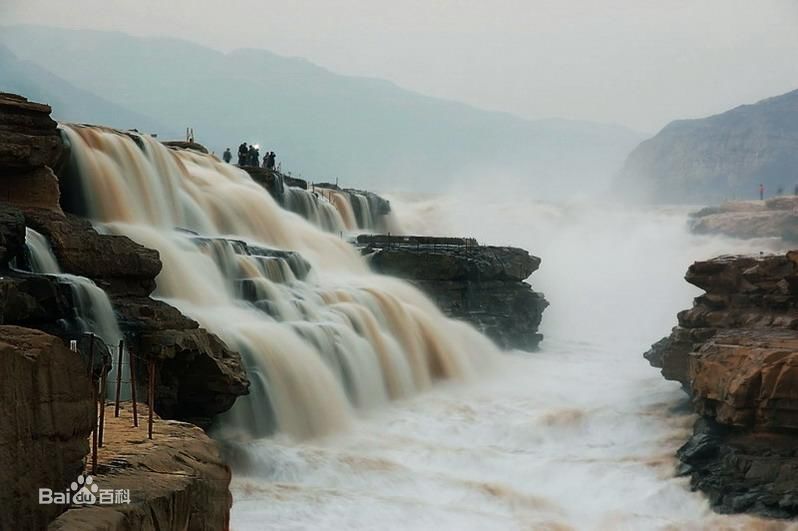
[(639, 63)]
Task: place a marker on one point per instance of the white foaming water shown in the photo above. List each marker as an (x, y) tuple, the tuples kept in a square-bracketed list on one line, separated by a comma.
[(581, 435), (316, 349), (92, 305)]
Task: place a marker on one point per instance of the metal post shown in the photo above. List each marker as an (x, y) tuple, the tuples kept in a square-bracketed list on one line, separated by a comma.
[(94, 429), (118, 376), (133, 387), (151, 398), (91, 357), (102, 405)]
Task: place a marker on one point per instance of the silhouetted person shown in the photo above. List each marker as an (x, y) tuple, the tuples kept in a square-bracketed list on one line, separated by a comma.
[(252, 156), (761, 192), (780, 190), (243, 153), (795, 192), (270, 160), (227, 156), (265, 163)]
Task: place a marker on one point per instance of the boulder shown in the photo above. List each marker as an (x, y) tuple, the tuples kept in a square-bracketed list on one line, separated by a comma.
[(198, 377)]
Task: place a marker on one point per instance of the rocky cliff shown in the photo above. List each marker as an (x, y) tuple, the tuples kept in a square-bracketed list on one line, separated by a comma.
[(722, 156), (46, 416), (772, 218), (49, 413), (481, 284), (736, 354)]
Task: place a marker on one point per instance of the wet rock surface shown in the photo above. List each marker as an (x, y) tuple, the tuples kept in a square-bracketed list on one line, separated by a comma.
[(736, 353), (483, 285)]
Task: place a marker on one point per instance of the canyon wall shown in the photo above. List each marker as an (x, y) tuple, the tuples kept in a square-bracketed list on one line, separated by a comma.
[(736, 354)]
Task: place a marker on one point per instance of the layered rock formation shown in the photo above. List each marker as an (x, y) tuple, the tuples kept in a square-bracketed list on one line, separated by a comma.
[(49, 414), (726, 155), (46, 415), (483, 285), (736, 353), (773, 218), (176, 480)]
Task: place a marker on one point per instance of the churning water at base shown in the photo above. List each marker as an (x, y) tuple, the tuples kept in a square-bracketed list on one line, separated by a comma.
[(581, 435)]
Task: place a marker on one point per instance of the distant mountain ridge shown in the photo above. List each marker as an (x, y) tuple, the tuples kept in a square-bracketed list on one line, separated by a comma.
[(369, 132), (725, 156), (69, 103)]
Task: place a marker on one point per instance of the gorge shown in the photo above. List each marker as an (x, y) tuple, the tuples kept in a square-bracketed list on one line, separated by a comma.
[(320, 357)]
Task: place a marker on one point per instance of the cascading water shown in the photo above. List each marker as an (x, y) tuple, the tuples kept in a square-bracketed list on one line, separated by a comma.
[(581, 435), (314, 347), (314, 207), (92, 306), (93, 310), (339, 211)]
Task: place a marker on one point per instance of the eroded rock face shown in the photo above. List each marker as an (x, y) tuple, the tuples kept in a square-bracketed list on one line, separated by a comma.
[(115, 263), (177, 480), (46, 417), (483, 285), (736, 353), (198, 376), (29, 138)]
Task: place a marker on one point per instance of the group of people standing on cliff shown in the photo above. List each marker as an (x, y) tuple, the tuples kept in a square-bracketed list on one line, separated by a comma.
[(250, 156)]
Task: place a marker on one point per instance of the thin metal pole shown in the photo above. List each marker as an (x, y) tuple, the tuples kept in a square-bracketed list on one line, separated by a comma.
[(94, 429), (91, 357), (102, 405), (133, 387), (118, 376), (151, 400)]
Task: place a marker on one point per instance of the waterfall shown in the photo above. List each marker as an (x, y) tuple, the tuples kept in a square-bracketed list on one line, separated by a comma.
[(319, 342), (93, 310), (315, 208), (339, 211)]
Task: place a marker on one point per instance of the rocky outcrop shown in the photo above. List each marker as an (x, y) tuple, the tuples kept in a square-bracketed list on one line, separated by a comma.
[(736, 353), (726, 155), (773, 218), (176, 481), (30, 145), (46, 416), (483, 285), (199, 376), (117, 264), (28, 136)]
